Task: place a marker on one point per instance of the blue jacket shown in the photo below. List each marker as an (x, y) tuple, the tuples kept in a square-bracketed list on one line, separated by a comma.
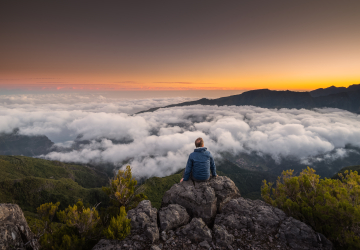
[(199, 164)]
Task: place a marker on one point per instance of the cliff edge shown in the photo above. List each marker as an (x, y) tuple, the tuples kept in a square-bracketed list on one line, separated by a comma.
[(213, 215)]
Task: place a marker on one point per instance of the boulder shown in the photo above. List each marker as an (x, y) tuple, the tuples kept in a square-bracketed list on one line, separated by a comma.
[(225, 190), (172, 217), (202, 199), (196, 231), (204, 244), (144, 219), (105, 244), (256, 221), (14, 230), (297, 234), (222, 237), (132, 241), (236, 223), (144, 229)]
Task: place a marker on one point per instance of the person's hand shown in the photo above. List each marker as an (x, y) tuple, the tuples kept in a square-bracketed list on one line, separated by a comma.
[(181, 179)]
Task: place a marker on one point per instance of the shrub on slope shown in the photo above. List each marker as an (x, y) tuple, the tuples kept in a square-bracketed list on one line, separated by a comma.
[(330, 206)]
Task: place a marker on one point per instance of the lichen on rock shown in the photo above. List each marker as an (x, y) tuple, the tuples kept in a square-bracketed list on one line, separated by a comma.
[(14, 230)]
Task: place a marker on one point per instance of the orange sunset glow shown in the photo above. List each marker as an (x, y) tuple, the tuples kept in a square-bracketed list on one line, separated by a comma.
[(240, 45)]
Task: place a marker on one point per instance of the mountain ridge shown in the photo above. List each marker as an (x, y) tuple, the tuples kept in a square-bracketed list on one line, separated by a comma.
[(347, 99)]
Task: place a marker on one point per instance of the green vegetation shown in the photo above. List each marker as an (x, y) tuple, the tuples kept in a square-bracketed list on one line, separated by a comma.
[(119, 227), (154, 188), (31, 192), (350, 168), (81, 227), (30, 182), (247, 181), (330, 206), (17, 167), (80, 217), (122, 190)]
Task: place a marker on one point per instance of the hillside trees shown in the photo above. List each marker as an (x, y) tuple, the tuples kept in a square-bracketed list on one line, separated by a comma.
[(79, 226), (330, 206), (80, 217), (119, 226), (46, 214), (122, 190)]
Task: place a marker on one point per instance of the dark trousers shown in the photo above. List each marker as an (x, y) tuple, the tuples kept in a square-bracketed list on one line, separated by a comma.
[(192, 178)]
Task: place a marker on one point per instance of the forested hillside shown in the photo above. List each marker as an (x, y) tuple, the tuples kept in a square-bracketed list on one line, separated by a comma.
[(30, 182)]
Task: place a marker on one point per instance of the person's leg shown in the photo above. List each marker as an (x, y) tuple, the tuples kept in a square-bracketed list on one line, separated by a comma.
[(199, 180)]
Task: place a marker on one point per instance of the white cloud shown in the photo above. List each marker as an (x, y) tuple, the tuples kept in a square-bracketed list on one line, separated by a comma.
[(84, 102), (159, 143)]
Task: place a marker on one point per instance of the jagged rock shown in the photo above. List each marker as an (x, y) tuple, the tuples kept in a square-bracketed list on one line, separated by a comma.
[(202, 199), (222, 237), (225, 190), (196, 231), (172, 217), (14, 230), (105, 244), (163, 236), (253, 220), (204, 244), (239, 224), (144, 218), (144, 230), (297, 234)]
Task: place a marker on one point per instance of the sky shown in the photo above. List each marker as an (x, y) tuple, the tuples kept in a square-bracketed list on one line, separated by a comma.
[(178, 45)]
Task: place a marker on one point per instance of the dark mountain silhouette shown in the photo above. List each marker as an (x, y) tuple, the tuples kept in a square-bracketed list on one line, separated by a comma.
[(17, 144), (342, 98), (333, 90)]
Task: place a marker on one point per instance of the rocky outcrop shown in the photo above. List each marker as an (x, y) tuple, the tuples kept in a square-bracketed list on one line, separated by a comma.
[(222, 237), (266, 227), (144, 220), (196, 231), (144, 230), (14, 230), (202, 199), (173, 216), (220, 219)]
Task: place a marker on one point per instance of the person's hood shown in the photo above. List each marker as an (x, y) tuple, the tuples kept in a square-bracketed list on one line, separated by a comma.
[(202, 149)]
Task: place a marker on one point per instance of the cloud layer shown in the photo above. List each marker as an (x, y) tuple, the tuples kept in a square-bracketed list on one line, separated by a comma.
[(84, 102), (158, 143)]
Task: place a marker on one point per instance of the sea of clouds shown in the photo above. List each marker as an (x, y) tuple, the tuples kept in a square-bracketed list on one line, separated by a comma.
[(158, 143)]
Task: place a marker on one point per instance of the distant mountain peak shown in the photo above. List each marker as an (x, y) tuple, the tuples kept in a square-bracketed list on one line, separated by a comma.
[(333, 90), (331, 97)]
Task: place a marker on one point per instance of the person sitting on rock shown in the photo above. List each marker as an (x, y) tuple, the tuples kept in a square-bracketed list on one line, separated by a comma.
[(199, 164)]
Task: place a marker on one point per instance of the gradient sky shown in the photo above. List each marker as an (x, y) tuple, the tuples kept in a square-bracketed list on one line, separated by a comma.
[(166, 45)]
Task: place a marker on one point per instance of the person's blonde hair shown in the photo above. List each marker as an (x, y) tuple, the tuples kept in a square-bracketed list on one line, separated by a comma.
[(199, 142)]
